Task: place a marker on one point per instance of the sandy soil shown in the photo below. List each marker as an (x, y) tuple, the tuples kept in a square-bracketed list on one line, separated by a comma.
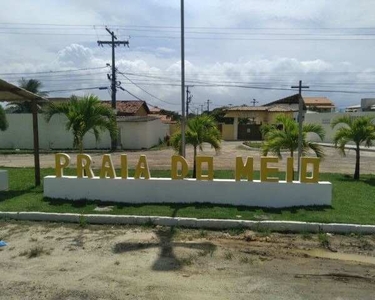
[(56, 261), (225, 160)]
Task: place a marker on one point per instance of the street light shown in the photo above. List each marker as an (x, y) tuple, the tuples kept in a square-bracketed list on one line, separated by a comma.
[(182, 81)]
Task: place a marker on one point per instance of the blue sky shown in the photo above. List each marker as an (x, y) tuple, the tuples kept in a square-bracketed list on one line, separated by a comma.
[(264, 44)]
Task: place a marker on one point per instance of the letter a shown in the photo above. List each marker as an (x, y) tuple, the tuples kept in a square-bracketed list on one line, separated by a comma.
[(107, 167), (142, 168)]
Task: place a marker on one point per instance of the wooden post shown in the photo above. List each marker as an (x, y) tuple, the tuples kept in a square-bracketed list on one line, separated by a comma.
[(34, 106)]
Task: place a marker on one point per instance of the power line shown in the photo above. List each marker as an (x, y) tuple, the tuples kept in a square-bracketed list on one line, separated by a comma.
[(148, 93), (18, 29), (243, 87), (52, 72), (303, 72), (195, 38), (77, 89), (187, 27), (125, 90)]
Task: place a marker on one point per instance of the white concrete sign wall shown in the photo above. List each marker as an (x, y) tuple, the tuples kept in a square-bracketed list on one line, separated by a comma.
[(165, 190)]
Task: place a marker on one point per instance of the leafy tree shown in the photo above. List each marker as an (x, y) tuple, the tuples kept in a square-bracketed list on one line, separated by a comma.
[(360, 130), (31, 85), (284, 136), (219, 113), (199, 130), (173, 115), (84, 114), (3, 119)]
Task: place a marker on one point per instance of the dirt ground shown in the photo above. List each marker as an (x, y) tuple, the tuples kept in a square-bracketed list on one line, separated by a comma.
[(225, 160), (60, 261)]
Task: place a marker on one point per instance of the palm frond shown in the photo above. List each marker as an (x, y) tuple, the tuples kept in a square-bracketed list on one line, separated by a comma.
[(314, 128), (286, 138)]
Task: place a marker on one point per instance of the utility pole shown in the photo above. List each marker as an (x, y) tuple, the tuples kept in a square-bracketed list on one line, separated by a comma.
[(189, 97), (300, 121), (182, 80), (202, 108), (254, 101), (208, 105), (114, 43)]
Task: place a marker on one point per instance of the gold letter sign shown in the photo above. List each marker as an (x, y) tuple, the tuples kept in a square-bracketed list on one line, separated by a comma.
[(184, 167), (314, 161), (84, 166), (142, 168), (246, 170), (210, 168), (265, 170), (60, 165), (107, 169)]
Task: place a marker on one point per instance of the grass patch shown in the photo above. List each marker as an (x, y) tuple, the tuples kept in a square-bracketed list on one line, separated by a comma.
[(256, 145), (323, 240), (353, 201), (228, 255), (306, 235), (82, 221), (246, 260), (188, 261)]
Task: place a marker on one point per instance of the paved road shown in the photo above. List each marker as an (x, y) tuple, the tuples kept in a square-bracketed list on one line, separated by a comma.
[(161, 159)]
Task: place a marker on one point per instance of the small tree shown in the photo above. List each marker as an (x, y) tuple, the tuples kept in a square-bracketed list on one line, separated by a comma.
[(284, 136), (360, 130), (85, 114), (201, 129), (31, 85)]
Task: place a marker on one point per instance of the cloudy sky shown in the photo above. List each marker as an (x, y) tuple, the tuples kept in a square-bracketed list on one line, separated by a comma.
[(236, 51)]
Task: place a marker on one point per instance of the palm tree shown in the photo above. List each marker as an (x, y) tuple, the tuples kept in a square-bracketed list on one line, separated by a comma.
[(3, 119), (31, 85), (84, 114), (201, 129), (358, 130), (284, 136)]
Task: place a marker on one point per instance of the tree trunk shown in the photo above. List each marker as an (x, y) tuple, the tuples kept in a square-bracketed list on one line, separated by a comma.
[(80, 145), (195, 163), (357, 162), (291, 155)]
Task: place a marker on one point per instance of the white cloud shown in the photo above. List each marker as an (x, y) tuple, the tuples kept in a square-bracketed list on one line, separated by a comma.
[(75, 55)]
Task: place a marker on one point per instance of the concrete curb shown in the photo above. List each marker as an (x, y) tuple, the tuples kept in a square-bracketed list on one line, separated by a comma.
[(278, 226)]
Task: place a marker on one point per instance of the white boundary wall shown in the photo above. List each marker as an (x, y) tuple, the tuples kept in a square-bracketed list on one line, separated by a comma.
[(4, 182), (325, 120), (165, 190), (138, 135), (53, 135)]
